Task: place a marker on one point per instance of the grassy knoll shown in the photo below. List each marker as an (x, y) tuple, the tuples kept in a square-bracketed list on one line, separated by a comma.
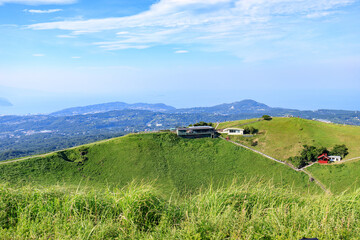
[(284, 137), (246, 211), (175, 164), (237, 123), (338, 177)]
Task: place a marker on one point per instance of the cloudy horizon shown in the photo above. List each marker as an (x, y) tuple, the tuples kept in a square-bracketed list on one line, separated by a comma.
[(179, 52)]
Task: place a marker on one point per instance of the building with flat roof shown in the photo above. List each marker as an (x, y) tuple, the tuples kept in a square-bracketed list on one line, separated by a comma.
[(334, 158), (196, 132), (233, 131)]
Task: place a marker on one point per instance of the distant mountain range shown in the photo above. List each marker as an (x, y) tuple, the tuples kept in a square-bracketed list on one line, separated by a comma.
[(31, 134), (113, 106), (244, 106), (4, 102), (242, 109)]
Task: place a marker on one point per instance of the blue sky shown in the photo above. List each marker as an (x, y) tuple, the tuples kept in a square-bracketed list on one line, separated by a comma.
[(59, 53)]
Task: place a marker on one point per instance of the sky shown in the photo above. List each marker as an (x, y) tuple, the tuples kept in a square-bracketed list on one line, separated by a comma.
[(302, 54)]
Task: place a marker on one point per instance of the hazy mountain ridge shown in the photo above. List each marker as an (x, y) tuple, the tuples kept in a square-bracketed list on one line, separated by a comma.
[(24, 135), (244, 106), (113, 106)]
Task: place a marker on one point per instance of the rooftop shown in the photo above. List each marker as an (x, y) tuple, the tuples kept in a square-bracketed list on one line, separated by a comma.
[(197, 128)]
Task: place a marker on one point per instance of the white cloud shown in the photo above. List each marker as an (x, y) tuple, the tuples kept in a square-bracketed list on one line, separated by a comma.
[(66, 36), (318, 14), (38, 55), (42, 11), (175, 13), (181, 51), (120, 46), (230, 25), (75, 57), (122, 33), (37, 2)]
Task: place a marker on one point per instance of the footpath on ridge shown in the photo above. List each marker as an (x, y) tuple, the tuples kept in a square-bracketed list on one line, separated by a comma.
[(322, 186)]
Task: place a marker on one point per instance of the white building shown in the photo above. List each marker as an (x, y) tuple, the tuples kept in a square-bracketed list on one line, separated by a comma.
[(334, 158), (234, 131)]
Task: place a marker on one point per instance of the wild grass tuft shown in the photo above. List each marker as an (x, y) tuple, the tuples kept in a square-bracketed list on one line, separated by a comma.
[(138, 211)]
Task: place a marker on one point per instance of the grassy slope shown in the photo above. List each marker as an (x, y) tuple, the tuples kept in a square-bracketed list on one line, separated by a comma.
[(284, 137), (138, 212), (175, 164), (338, 177), (237, 123)]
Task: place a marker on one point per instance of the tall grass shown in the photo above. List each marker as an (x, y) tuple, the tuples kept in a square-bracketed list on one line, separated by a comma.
[(138, 211)]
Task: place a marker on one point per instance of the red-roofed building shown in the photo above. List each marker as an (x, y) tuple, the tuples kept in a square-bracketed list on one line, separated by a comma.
[(323, 158)]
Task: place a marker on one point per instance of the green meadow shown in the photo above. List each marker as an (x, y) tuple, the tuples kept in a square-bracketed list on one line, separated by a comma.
[(338, 177), (159, 186), (284, 137), (139, 211), (175, 165)]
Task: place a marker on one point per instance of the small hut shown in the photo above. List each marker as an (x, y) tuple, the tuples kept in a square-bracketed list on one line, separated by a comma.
[(323, 158)]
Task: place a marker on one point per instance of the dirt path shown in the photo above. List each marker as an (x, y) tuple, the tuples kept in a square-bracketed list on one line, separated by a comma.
[(322, 186), (347, 160), (308, 165), (263, 154)]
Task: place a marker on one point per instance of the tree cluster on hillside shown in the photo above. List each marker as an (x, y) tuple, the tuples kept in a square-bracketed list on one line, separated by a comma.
[(201, 124), (340, 150), (250, 130), (266, 117), (311, 154), (307, 155)]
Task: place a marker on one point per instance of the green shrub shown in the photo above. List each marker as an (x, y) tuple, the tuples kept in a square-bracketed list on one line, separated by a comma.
[(340, 150), (266, 117)]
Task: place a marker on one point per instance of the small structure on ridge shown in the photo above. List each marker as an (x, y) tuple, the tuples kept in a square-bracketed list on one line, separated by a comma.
[(324, 158), (334, 158), (233, 131), (196, 132)]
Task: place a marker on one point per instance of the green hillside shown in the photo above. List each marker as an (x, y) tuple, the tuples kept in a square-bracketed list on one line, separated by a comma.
[(246, 211), (174, 164), (338, 177), (237, 123), (284, 137)]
